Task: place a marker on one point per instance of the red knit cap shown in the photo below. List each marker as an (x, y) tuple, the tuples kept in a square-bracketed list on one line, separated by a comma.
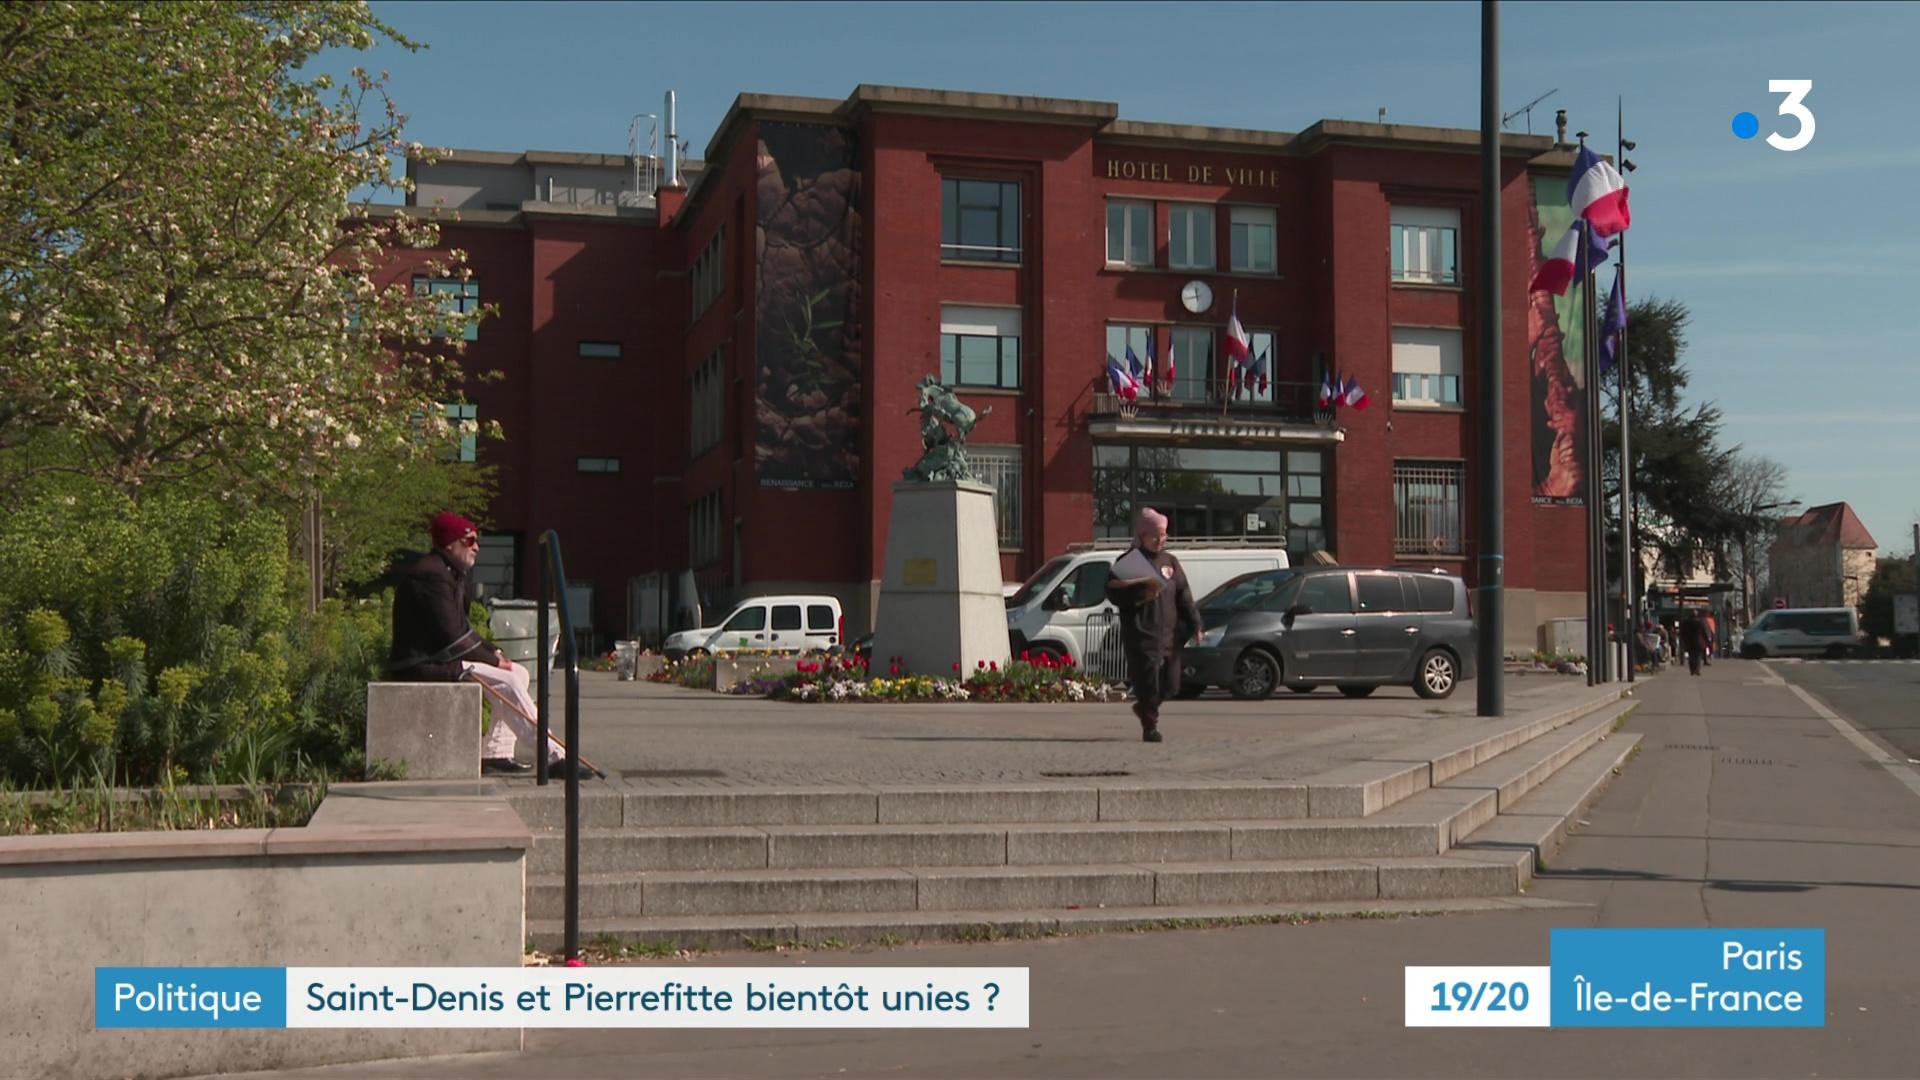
[(448, 527)]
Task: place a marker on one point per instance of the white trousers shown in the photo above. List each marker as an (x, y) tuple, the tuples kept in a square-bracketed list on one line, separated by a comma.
[(508, 725)]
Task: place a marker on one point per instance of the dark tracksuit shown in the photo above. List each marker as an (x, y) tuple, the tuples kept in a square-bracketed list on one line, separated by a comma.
[(1154, 623)]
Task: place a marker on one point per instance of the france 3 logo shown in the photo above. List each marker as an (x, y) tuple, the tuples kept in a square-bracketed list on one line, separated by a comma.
[(1746, 125)]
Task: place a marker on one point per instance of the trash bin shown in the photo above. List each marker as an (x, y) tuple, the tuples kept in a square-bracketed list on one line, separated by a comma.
[(626, 659), (516, 628)]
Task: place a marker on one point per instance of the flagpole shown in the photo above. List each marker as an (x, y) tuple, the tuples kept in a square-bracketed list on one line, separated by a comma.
[(1629, 612), (1596, 617), (1224, 384), (1490, 688)]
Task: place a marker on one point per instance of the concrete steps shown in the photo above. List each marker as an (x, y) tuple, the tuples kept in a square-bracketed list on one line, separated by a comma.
[(1460, 818)]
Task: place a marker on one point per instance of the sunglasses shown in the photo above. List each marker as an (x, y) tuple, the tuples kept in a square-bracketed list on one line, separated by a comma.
[(469, 540)]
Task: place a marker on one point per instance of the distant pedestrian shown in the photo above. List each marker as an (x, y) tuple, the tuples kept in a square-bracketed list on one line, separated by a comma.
[(1693, 639), (1713, 637), (1157, 617)]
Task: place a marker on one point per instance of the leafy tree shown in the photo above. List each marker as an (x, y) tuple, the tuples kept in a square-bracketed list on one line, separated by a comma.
[(187, 291), (1891, 577), (1677, 463), (378, 502)]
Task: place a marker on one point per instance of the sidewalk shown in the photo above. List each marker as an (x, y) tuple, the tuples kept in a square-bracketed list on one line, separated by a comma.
[(1782, 822), (667, 736)]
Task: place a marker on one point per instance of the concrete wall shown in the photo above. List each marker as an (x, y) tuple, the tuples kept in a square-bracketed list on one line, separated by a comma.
[(392, 881)]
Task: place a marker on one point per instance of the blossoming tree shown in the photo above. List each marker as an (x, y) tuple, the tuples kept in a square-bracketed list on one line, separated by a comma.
[(189, 290)]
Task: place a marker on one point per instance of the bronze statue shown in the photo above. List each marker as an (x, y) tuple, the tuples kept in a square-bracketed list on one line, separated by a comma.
[(945, 422)]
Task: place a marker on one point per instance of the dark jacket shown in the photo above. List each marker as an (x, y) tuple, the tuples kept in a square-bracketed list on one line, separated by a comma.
[(1157, 618), (1693, 635), (431, 634)]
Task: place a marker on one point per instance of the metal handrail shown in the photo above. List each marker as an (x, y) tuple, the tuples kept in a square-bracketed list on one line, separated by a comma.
[(553, 591)]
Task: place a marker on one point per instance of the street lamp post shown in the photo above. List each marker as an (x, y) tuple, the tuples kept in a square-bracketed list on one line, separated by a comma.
[(1746, 558)]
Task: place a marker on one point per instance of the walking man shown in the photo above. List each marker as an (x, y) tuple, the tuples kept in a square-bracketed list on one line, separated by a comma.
[(1693, 638), (434, 642), (1157, 617)]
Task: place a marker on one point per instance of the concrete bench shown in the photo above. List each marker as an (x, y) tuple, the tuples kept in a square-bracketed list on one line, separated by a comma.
[(432, 729)]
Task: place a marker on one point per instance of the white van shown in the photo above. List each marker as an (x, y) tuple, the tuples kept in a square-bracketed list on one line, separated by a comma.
[(780, 624), (1051, 612), (1833, 631)]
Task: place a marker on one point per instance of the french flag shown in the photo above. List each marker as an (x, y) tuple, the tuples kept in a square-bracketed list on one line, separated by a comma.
[(1564, 261), (1152, 376), (1171, 350), (1239, 347), (1326, 390), (1352, 395), (1598, 192), (1133, 363), (1123, 384), (1260, 370), (1614, 326)]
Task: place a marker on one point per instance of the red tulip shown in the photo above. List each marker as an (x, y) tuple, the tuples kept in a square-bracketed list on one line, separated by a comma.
[(1025, 655), (995, 666), (956, 665), (980, 664), (1069, 660)]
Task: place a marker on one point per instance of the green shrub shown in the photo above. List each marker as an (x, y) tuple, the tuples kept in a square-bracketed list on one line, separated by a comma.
[(164, 640)]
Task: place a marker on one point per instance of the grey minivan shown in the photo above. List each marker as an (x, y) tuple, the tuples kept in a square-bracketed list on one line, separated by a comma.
[(1351, 627)]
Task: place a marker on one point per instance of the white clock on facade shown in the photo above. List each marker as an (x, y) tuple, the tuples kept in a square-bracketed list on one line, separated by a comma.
[(1197, 296)]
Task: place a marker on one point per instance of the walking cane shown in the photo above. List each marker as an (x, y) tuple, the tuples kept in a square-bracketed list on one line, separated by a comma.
[(597, 771)]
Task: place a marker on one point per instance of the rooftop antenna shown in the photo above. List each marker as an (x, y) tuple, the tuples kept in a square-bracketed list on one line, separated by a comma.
[(1383, 114), (1527, 110)]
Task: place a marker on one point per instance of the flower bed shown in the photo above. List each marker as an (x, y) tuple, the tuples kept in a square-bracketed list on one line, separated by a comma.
[(1022, 681)]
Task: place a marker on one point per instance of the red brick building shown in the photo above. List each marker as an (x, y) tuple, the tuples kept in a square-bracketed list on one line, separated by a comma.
[(717, 376)]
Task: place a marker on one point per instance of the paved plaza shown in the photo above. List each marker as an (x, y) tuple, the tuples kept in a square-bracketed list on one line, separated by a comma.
[(650, 734)]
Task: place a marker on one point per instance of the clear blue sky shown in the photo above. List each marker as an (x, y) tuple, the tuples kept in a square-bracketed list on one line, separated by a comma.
[(1798, 266)]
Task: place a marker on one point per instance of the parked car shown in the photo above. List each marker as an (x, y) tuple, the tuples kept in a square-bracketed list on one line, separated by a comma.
[(685, 643), (800, 623), (1049, 614), (1803, 632), (1356, 628)]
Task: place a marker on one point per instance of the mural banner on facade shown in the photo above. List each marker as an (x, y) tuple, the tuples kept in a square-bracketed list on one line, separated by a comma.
[(807, 336), (1556, 344)]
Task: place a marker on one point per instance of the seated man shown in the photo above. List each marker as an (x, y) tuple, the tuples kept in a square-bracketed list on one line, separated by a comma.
[(434, 642)]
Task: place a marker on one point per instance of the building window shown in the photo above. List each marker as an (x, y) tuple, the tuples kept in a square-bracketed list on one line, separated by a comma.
[(980, 346), (1129, 233), (456, 297), (706, 404), (1306, 503), (1272, 496), (1426, 508), (1426, 245), (1190, 237), (708, 275), (999, 468), (703, 529), (1191, 355), (980, 220), (496, 568), (597, 464), (1426, 367), (465, 420), (1253, 240), (600, 350)]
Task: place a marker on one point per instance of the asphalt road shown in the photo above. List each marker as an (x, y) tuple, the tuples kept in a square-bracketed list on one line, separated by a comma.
[(1881, 697), (1746, 807)]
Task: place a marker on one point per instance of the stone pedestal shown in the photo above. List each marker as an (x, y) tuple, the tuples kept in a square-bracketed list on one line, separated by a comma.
[(940, 600), (431, 728)]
